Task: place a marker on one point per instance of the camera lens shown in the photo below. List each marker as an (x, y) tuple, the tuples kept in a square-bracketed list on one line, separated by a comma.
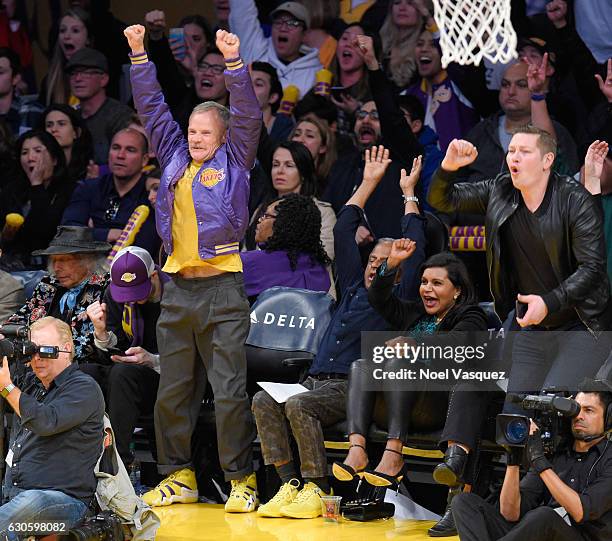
[(516, 431)]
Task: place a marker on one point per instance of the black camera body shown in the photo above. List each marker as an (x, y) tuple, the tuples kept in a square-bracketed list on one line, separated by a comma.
[(105, 526), (16, 345), (551, 410)]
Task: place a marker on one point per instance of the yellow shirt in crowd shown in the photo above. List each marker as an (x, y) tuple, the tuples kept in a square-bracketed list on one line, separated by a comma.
[(351, 11), (185, 232)]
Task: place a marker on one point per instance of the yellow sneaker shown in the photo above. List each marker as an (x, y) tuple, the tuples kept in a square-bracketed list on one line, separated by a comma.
[(307, 503), (285, 495), (243, 497), (180, 487)]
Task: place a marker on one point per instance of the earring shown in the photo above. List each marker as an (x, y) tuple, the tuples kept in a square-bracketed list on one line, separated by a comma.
[(456, 297)]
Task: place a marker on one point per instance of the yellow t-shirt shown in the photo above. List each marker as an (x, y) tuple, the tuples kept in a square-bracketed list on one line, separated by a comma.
[(185, 232)]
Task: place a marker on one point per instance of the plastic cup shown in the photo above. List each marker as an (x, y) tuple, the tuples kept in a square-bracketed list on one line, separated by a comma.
[(330, 508)]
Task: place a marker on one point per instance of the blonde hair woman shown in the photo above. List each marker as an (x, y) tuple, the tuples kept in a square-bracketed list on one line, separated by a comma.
[(399, 34)]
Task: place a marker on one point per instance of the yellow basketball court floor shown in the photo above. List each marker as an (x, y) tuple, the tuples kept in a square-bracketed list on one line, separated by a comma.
[(192, 522)]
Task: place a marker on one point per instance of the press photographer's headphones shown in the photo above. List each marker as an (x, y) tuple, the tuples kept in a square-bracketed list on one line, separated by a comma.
[(599, 385)]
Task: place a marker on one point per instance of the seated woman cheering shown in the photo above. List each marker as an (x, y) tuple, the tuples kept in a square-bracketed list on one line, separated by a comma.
[(292, 255), (448, 303)]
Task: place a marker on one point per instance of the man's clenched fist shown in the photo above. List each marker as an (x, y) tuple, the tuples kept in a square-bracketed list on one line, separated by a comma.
[(135, 35), (459, 154), (96, 312), (228, 44)]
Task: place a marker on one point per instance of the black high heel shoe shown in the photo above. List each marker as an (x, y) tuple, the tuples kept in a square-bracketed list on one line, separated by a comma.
[(379, 479), (344, 472), (450, 472)]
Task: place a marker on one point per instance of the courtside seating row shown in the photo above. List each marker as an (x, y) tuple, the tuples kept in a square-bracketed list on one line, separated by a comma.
[(294, 348)]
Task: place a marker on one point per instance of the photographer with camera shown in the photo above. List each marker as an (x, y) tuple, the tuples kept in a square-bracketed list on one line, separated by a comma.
[(56, 424), (566, 498)]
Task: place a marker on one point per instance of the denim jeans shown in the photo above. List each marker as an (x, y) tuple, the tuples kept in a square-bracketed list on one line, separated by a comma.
[(38, 506)]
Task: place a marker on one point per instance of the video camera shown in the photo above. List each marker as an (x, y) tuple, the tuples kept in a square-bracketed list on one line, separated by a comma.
[(550, 410), (16, 345)]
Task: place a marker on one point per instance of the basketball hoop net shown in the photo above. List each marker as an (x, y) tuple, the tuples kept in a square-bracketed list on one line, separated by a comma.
[(473, 29)]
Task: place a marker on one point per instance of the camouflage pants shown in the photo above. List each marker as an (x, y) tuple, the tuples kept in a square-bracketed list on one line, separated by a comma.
[(303, 415)]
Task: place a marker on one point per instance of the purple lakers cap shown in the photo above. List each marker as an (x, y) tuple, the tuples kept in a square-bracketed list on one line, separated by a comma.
[(131, 272)]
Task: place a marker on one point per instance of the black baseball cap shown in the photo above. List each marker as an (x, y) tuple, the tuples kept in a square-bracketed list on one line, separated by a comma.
[(539, 44), (87, 58)]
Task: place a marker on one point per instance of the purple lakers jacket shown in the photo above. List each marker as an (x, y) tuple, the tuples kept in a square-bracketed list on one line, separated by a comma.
[(221, 187)]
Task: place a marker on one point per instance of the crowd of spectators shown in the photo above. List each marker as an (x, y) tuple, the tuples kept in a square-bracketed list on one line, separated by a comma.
[(362, 137)]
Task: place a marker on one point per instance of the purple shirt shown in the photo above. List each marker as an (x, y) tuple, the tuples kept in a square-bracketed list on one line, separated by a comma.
[(263, 270), (447, 111)]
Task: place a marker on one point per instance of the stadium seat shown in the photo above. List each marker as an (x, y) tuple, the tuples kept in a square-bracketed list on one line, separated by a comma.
[(29, 279), (287, 325)]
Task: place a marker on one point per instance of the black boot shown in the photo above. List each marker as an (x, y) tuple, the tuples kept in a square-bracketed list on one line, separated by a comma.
[(450, 472), (445, 527)]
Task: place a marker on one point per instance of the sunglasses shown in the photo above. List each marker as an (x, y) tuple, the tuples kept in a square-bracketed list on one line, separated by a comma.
[(266, 216)]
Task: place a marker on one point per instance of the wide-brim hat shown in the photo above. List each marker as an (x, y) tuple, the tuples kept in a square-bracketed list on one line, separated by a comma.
[(72, 239)]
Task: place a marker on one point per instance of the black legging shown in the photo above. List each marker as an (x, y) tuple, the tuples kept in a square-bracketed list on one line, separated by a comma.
[(467, 413), (396, 409)]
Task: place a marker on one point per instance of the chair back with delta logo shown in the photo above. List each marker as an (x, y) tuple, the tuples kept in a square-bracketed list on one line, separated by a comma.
[(289, 319), (287, 325)]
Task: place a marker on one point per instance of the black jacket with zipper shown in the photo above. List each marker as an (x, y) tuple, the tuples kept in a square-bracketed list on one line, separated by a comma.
[(572, 231)]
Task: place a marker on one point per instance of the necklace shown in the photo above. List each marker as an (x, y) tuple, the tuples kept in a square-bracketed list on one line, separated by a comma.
[(440, 318)]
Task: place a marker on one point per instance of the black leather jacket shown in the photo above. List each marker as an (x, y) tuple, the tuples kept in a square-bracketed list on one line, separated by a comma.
[(572, 231)]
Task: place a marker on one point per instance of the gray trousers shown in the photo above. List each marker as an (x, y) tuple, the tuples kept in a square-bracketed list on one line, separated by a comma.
[(305, 415), (200, 334)]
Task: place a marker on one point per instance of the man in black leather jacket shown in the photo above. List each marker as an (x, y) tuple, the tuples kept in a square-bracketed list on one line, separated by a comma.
[(545, 251)]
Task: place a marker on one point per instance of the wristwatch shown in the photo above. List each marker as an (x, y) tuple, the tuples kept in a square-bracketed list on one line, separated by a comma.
[(408, 198), (5, 392)]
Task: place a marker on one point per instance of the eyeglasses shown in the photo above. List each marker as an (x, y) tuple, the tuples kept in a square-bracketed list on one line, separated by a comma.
[(361, 114), (217, 69), (291, 24), (267, 216), (88, 73), (113, 208)]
